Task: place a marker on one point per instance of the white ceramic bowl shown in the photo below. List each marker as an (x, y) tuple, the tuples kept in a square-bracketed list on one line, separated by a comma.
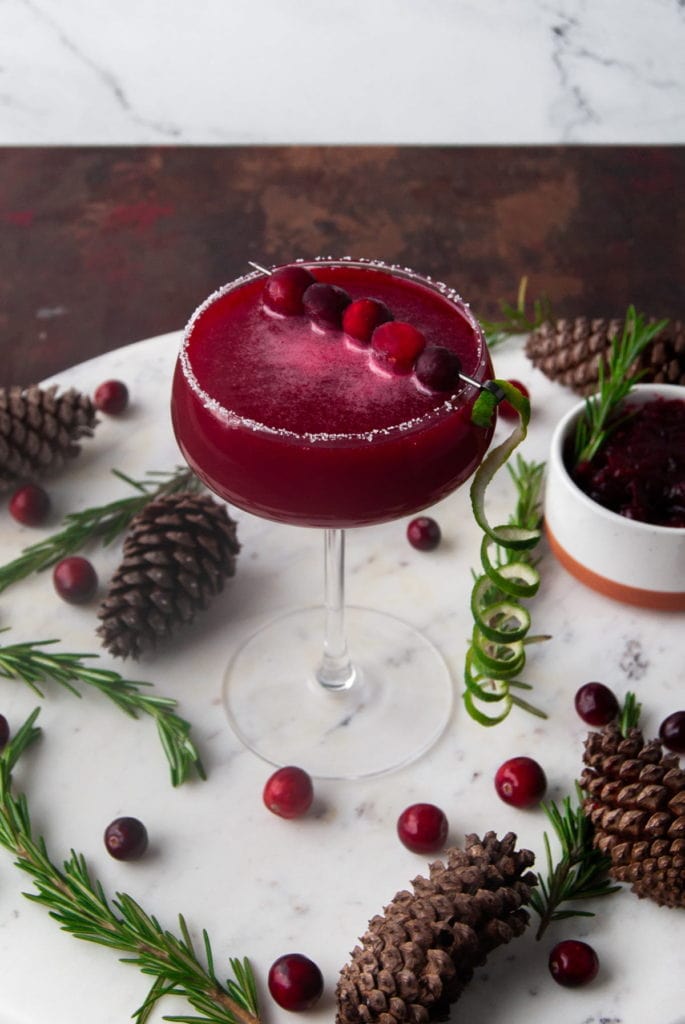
[(634, 562)]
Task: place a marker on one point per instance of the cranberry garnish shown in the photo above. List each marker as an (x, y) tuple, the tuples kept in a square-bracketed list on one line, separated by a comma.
[(505, 409), (363, 316), (521, 782), (596, 704), (672, 732), (573, 963), (325, 304), (111, 397), (424, 533), (284, 289), (397, 345), (4, 731), (75, 579), (295, 982), (30, 505), (289, 792), (126, 838), (438, 368), (422, 828)]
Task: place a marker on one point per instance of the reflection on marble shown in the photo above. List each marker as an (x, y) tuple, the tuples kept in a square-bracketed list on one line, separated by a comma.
[(263, 886), (293, 71)]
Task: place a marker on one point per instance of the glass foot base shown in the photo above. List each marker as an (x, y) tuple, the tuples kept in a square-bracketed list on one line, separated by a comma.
[(398, 706)]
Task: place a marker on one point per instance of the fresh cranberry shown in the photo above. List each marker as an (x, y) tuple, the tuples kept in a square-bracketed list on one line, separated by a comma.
[(325, 304), (4, 731), (596, 704), (424, 533), (505, 409), (422, 828), (672, 732), (397, 345), (363, 316), (75, 579), (30, 505), (284, 289), (126, 838), (289, 792), (521, 782), (295, 982), (111, 397), (573, 963), (438, 368)]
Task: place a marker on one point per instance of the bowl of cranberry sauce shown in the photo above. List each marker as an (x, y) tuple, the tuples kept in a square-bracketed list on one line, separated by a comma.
[(617, 523)]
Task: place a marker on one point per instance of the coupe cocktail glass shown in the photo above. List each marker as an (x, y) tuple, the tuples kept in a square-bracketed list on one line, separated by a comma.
[(296, 423)]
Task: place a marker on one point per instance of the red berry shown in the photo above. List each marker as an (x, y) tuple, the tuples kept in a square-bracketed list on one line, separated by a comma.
[(438, 368), (75, 579), (295, 982), (111, 397), (573, 963), (362, 317), (521, 782), (397, 345), (30, 505), (4, 731), (424, 533), (422, 828), (289, 792), (126, 838), (284, 289), (325, 304), (596, 704), (672, 732), (506, 409)]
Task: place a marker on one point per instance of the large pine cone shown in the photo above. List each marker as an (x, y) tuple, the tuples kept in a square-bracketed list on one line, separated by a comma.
[(179, 550), (569, 351), (636, 803), (416, 958), (39, 430)]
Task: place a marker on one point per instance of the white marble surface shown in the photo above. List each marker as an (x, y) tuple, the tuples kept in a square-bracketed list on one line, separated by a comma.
[(263, 886), (344, 71)]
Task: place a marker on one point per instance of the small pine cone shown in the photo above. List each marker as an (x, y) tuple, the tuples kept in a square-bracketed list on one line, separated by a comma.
[(179, 550), (39, 430), (636, 803), (569, 351), (417, 957)]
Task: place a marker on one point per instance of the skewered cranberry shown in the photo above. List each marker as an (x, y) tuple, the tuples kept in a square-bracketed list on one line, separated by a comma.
[(397, 345), (284, 289), (573, 963), (363, 316), (521, 782), (424, 533), (325, 304), (295, 982), (75, 579), (438, 368), (30, 505), (111, 397), (126, 838), (596, 704), (422, 828), (505, 409), (289, 792), (4, 731), (672, 732)]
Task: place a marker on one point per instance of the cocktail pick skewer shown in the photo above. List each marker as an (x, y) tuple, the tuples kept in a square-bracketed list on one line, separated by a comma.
[(487, 385)]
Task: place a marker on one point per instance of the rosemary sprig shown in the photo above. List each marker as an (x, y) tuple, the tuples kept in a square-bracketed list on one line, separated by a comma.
[(629, 715), (33, 665), (579, 874), (80, 906), (515, 318), (615, 381), (103, 522)]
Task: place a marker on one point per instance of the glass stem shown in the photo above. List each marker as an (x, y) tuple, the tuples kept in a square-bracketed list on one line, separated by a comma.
[(335, 671)]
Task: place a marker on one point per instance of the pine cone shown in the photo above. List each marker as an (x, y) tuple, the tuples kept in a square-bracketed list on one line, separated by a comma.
[(417, 958), (636, 803), (569, 351), (179, 550), (39, 430)]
